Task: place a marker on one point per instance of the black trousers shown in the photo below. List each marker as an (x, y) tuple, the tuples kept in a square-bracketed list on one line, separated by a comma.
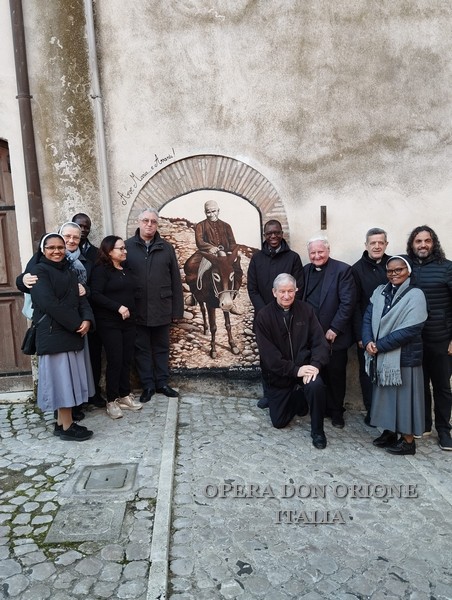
[(437, 370), (364, 379), (152, 356), (285, 403), (334, 375), (119, 343)]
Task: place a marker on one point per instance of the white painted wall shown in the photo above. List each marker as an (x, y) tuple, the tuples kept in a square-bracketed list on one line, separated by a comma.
[(343, 104)]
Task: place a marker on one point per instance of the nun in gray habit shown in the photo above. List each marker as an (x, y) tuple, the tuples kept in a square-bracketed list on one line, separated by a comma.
[(392, 337)]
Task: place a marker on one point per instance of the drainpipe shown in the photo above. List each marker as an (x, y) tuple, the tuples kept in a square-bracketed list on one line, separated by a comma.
[(35, 206), (98, 120)]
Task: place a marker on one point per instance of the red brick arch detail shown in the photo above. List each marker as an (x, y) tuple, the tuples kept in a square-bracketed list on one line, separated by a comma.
[(209, 172)]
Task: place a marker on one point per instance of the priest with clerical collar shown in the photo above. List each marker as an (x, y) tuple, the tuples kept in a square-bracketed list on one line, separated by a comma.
[(331, 291), (293, 350)]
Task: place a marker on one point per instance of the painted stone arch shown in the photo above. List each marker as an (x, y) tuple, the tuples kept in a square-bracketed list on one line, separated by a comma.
[(209, 172)]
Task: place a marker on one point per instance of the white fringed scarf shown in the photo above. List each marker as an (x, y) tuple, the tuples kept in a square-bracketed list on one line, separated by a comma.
[(408, 308)]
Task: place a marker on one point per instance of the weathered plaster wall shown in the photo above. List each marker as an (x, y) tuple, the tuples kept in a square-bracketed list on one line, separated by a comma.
[(343, 103), (62, 109)]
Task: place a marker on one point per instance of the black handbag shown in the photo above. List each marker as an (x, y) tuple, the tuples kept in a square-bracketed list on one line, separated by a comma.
[(373, 370), (29, 344)]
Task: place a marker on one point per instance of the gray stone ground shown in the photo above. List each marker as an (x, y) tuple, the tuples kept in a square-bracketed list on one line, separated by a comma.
[(225, 547), (38, 475)]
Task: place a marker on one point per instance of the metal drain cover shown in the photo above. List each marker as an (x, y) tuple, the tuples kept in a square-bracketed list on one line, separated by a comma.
[(106, 479), (93, 521), (96, 479)]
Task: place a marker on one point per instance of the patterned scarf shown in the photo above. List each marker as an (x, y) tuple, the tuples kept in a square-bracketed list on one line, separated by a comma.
[(76, 265)]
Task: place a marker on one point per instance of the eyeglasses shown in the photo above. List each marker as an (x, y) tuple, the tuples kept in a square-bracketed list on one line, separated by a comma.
[(397, 271), (119, 248), (272, 233), (55, 248), (149, 221), (71, 237)]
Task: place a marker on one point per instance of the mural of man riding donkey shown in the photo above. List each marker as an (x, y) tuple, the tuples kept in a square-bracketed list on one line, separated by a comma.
[(214, 274)]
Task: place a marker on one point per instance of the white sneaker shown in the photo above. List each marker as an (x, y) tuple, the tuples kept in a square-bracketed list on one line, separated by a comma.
[(129, 403), (425, 434), (113, 410)]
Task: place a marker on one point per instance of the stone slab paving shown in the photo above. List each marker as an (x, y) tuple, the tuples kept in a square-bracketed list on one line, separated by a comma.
[(259, 513), (38, 473), (256, 512)]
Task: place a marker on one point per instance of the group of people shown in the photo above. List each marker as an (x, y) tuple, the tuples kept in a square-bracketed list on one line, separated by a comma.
[(124, 295), (121, 296), (398, 311)]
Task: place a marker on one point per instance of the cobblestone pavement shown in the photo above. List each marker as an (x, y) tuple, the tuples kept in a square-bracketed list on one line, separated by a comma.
[(38, 472), (232, 540), (245, 496)]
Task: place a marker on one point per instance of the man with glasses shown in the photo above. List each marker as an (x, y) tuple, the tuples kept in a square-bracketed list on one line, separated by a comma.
[(369, 272), (275, 257), (153, 260), (433, 275)]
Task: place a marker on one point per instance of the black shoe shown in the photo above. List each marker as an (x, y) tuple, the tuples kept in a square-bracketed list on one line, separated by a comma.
[(386, 439), (402, 447), (338, 422), (97, 401), (319, 440), (263, 403), (445, 441), (77, 413), (75, 433), (59, 428), (167, 391), (146, 395)]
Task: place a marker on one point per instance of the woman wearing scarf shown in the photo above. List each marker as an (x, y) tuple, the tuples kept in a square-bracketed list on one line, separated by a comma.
[(63, 319), (392, 328), (72, 234)]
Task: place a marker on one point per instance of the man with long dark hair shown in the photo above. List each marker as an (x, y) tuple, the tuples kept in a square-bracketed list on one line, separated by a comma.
[(433, 275)]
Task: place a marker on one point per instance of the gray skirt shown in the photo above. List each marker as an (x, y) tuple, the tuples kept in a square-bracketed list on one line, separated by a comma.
[(62, 380), (400, 408)]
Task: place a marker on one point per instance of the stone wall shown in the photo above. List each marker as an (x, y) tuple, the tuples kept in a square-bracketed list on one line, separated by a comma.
[(343, 104)]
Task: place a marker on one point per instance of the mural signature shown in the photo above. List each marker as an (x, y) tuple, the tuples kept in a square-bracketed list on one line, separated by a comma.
[(136, 179)]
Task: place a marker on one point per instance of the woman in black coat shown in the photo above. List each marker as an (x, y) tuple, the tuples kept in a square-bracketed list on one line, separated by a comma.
[(63, 318), (113, 291)]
